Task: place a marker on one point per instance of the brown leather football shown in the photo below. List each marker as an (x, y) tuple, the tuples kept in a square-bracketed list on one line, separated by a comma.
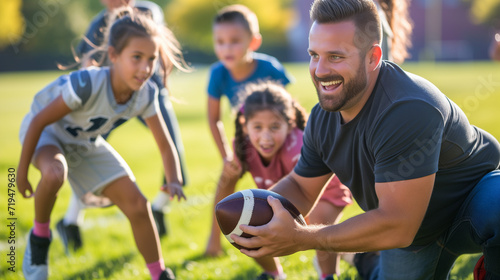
[(249, 207)]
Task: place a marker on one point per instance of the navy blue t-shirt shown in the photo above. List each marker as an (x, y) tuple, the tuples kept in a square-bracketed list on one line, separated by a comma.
[(407, 129)]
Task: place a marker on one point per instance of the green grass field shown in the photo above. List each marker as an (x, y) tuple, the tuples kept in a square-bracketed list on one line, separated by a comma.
[(109, 251)]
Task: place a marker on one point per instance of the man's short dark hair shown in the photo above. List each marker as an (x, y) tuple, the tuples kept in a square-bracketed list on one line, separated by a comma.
[(362, 12)]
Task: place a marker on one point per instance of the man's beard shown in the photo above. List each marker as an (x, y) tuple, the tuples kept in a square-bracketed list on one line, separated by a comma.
[(351, 89)]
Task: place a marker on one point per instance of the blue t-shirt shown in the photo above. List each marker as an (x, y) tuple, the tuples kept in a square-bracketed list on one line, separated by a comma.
[(407, 129), (222, 83)]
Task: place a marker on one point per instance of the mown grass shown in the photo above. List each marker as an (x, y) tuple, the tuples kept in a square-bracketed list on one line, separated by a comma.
[(109, 251)]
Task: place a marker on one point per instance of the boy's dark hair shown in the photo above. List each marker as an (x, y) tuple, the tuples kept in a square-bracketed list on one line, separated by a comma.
[(362, 12), (260, 96), (238, 14)]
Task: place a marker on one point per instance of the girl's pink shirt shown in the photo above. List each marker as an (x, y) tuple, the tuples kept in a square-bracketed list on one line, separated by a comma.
[(283, 163)]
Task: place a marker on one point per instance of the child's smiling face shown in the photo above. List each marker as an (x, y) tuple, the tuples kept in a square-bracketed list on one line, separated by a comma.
[(267, 132), (135, 64)]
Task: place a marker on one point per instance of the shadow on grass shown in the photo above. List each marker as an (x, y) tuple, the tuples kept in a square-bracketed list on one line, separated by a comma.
[(103, 269), (194, 261)]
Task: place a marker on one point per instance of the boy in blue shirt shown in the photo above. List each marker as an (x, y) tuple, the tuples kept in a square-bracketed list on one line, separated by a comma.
[(236, 38)]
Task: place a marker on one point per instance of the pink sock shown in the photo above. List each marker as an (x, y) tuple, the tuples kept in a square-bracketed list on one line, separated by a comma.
[(275, 273), (42, 229), (324, 275), (156, 268)]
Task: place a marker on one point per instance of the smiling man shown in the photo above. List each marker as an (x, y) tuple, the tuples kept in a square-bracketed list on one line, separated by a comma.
[(427, 180)]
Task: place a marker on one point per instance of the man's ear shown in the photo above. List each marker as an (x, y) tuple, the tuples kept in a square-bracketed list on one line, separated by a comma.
[(112, 54), (374, 56), (256, 42)]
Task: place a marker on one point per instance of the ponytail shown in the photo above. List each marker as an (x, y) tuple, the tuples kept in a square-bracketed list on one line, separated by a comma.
[(300, 116), (240, 143)]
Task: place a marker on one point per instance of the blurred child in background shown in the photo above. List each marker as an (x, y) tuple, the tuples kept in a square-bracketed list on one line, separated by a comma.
[(61, 136), (69, 227), (236, 38), (396, 28), (494, 50), (267, 143)]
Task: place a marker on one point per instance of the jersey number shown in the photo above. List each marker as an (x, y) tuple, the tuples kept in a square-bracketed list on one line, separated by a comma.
[(96, 124)]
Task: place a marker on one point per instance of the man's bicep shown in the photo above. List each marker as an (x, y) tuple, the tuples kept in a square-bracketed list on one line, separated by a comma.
[(405, 202), (311, 162)]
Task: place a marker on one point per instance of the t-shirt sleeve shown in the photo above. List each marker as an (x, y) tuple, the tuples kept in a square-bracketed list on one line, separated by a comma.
[(311, 163), (279, 72), (214, 83), (79, 89), (291, 150), (410, 148)]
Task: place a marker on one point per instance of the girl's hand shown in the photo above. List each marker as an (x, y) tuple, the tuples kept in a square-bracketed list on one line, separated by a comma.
[(174, 189), (232, 169), (24, 186)]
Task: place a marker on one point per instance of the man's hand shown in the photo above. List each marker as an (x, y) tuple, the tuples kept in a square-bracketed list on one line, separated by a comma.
[(280, 237)]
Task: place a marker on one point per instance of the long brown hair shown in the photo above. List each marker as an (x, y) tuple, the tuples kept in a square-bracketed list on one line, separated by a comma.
[(261, 96), (396, 12), (126, 23)]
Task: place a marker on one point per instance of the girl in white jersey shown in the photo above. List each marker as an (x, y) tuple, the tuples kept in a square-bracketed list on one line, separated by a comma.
[(267, 143), (61, 136)]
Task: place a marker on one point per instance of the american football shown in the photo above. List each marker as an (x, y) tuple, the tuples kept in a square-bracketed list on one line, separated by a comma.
[(249, 207)]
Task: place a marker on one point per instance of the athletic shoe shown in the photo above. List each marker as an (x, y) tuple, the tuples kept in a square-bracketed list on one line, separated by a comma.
[(167, 274), (331, 277), (35, 265), (70, 235), (160, 223), (267, 276)]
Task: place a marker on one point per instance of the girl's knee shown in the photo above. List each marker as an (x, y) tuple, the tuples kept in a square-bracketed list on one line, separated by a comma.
[(54, 175), (136, 206), (52, 165)]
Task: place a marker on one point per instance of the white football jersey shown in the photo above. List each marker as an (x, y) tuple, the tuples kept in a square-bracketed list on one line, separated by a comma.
[(95, 112)]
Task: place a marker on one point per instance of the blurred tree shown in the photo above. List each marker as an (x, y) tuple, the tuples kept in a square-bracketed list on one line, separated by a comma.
[(191, 20), (51, 26), (12, 22), (486, 11), (37, 34)]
